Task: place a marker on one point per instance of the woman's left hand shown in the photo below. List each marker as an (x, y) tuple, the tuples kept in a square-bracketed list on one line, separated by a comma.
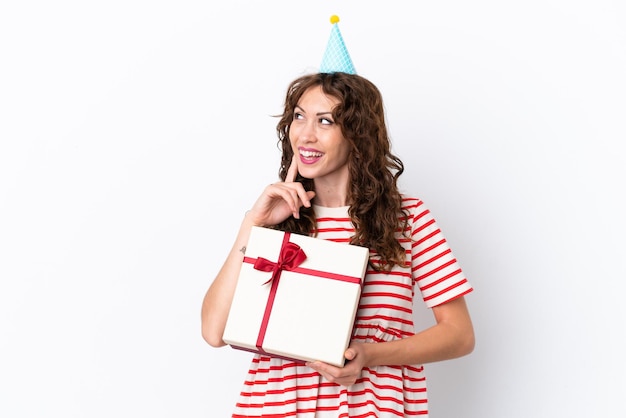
[(350, 372)]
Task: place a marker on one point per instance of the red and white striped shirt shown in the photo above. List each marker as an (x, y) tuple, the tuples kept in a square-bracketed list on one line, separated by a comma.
[(282, 388)]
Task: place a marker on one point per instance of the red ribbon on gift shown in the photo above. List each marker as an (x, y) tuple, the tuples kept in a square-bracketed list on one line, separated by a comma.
[(289, 258)]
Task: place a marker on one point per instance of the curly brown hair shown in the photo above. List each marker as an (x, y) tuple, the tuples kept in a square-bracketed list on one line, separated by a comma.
[(373, 195)]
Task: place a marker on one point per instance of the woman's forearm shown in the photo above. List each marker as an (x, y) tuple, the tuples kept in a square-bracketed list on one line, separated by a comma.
[(218, 298), (451, 337)]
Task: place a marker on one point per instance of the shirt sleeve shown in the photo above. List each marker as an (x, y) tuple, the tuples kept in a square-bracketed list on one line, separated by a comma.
[(434, 268)]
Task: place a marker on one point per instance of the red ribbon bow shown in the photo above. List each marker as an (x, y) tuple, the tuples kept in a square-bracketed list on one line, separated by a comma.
[(290, 257)]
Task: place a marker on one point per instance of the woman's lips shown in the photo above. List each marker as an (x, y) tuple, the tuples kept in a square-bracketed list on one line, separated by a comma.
[(310, 156)]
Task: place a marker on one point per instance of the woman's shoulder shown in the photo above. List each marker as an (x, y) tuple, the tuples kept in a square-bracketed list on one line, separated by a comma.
[(410, 202), (415, 210)]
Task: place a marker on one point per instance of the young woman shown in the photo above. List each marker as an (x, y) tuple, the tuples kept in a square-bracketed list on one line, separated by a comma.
[(339, 182)]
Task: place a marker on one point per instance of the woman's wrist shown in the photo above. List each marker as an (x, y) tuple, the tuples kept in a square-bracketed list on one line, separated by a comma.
[(249, 220)]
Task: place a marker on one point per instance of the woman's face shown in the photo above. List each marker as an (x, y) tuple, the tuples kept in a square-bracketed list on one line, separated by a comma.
[(317, 141)]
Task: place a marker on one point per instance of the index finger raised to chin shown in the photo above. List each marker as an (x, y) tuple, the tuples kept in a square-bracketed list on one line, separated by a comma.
[(292, 172)]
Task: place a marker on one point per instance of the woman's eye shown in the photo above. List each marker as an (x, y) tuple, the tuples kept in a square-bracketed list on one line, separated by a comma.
[(297, 116), (325, 121)]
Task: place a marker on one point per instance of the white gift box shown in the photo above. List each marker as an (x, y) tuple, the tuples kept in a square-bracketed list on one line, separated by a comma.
[(304, 305)]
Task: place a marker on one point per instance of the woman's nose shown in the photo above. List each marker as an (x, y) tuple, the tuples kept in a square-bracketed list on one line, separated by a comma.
[(308, 131)]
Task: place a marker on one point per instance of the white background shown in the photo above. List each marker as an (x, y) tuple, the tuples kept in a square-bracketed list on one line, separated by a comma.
[(135, 134)]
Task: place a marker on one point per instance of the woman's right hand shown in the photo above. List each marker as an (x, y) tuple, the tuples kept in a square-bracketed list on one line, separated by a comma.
[(281, 200)]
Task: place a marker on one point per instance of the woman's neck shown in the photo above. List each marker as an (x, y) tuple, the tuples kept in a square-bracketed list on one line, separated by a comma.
[(330, 195)]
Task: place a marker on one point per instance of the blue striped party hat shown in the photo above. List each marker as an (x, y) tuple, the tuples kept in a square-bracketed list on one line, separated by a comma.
[(336, 58)]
